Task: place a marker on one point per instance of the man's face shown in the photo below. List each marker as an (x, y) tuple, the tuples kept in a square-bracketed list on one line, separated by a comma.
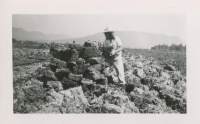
[(108, 34)]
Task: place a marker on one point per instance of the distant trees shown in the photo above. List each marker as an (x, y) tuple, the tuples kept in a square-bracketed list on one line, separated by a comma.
[(173, 47)]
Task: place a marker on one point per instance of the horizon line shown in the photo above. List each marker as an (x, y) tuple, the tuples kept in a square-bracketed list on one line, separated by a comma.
[(97, 33)]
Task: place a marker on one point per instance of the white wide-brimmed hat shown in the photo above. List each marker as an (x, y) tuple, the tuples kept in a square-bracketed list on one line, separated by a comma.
[(108, 29)]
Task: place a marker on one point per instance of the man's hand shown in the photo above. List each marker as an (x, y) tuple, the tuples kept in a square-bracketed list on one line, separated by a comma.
[(112, 52)]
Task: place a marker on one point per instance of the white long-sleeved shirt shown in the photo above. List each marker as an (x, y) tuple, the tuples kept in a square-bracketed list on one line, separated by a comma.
[(114, 43)]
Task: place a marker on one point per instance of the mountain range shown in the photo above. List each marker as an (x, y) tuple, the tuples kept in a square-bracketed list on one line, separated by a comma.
[(23, 35), (132, 39)]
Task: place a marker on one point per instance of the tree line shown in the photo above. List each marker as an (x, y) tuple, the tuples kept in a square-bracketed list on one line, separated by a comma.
[(173, 47)]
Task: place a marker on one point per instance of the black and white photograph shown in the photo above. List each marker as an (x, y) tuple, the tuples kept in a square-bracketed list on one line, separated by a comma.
[(99, 63)]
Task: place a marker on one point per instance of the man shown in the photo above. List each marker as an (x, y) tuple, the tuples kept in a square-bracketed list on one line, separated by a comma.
[(113, 53)]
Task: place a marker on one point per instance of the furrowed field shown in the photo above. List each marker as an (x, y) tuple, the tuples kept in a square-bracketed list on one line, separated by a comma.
[(29, 52), (177, 59)]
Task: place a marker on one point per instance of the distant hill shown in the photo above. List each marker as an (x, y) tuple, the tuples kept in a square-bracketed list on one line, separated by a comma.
[(132, 39), (23, 35)]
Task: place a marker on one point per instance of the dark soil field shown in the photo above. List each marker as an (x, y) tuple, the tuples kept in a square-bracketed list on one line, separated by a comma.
[(72, 78)]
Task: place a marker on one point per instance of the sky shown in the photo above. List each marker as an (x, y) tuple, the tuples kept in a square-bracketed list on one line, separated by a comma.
[(81, 25)]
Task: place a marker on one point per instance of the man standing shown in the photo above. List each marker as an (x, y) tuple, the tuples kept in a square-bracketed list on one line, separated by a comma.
[(113, 54)]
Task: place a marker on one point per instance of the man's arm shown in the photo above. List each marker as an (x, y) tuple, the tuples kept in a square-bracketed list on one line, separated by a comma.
[(119, 49), (104, 49)]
